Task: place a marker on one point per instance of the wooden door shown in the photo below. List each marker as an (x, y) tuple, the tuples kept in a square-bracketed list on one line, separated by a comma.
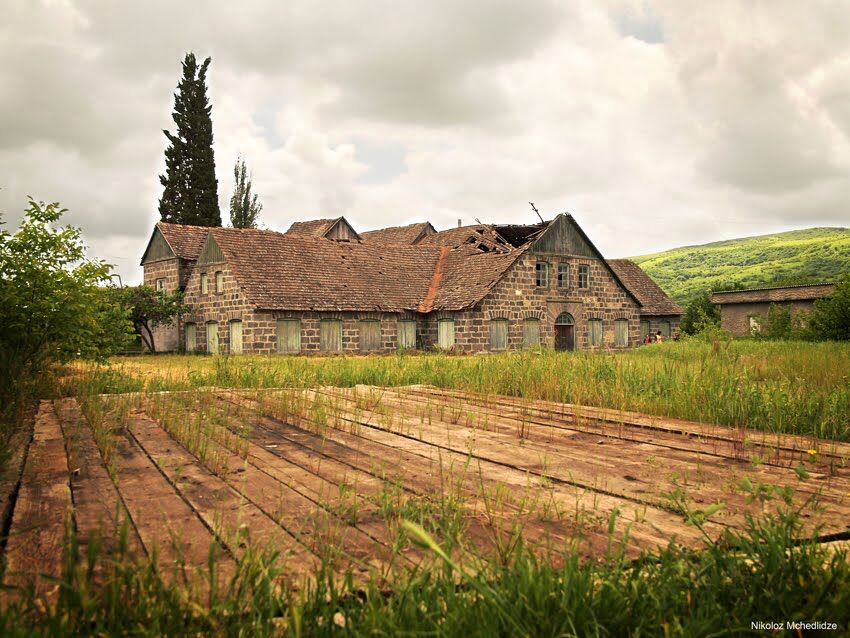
[(212, 337), (406, 334), (330, 335), (565, 337), (289, 335), (236, 337), (191, 337)]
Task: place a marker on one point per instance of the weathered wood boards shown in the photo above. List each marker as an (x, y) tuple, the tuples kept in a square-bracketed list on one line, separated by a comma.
[(34, 549)]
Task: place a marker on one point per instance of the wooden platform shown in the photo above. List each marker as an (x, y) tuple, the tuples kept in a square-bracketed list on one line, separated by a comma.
[(326, 475)]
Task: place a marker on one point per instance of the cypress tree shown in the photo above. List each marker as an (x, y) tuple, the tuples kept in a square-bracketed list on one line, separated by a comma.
[(190, 188), (244, 207)]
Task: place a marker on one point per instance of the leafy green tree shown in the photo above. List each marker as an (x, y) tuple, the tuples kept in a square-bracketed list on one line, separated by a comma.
[(149, 308), (52, 306), (830, 318), (244, 207), (190, 187), (699, 314)]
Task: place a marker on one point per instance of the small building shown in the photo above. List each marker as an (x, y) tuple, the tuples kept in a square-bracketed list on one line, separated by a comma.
[(742, 312), (324, 287)]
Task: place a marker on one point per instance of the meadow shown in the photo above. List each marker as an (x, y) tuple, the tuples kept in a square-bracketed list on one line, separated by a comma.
[(784, 387), (230, 423)]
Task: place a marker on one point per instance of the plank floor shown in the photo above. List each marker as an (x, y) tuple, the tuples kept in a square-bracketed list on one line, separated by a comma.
[(326, 475)]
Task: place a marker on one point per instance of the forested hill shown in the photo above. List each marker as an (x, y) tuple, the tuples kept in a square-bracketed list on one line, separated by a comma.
[(794, 257)]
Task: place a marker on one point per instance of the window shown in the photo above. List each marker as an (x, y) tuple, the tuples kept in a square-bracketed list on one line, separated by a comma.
[(621, 333), (644, 328), (594, 329), (288, 335), (531, 333), (446, 333), (191, 337), (212, 337), (330, 335), (541, 274), (665, 329), (563, 275), (498, 334), (406, 334), (205, 283), (583, 276), (236, 337), (370, 336), (160, 285), (219, 281)]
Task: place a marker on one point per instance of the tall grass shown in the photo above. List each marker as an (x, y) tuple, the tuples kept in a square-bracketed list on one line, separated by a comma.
[(790, 387)]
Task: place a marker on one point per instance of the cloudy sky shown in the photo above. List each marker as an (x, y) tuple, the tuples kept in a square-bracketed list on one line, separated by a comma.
[(656, 124)]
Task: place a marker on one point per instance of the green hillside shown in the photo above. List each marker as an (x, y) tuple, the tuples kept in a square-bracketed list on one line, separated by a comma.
[(795, 257)]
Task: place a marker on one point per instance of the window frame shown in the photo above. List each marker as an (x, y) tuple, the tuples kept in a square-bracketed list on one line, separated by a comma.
[(279, 333), (219, 282), (526, 325), (583, 276), (230, 327), (159, 284), (400, 332), (209, 327), (440, 344), (338, 343), (371, 323), (621, 343), (190, 327), (563, 275), (205, 283), (593, 342), (541, 268)]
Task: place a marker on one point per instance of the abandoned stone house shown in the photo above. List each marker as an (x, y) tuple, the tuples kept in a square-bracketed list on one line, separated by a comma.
[(742, 312), (324, 287)]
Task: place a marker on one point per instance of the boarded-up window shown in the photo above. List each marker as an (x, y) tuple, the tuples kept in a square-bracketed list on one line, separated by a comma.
[(212, 337), (563, 275), (531, 333), (406, 334), (541, 274), (594, 329), (446, 333), (644, 328), (330, 335), (236, 337), (621, 332), (583, 276), (289, 335), (370, 336), (498, 334), (160, 285), (219, 281), (191, 337), (205, 283), (665, 329)]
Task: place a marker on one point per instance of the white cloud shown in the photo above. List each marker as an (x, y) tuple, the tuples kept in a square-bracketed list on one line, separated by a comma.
[(656, 123)]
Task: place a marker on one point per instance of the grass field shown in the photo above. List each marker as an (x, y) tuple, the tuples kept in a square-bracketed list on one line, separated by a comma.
[(813, 255), (791, 387), (483, 572)]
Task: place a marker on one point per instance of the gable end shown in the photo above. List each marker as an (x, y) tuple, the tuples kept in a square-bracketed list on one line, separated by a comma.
[(210, 252), (158, 248)]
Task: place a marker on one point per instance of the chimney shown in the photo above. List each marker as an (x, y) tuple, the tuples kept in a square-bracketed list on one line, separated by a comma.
[(459, 223)]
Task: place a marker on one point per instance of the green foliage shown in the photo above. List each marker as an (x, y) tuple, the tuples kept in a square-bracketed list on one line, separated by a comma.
[(700, 313), (244, 206), (190, 187), (830, 318), (52, 305), (758, 573), (798, 257), (149, 308)]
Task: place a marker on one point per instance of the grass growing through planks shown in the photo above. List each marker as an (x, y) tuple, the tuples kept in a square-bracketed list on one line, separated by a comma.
[(791, 387), (757, 574)]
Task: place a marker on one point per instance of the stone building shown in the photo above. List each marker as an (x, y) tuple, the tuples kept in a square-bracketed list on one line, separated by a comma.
[(742, 312), (323, 287)]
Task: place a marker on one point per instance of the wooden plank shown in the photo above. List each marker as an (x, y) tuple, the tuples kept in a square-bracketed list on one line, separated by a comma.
[(234, 520), (11, 473), (34, 549), (99, 512), (166, 523)]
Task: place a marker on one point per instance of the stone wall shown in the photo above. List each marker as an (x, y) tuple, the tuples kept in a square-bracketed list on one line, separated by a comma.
[(165, 338), (736, 317)]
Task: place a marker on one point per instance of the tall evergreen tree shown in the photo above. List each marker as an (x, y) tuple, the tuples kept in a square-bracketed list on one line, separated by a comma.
[(244, 207), (190, 188)]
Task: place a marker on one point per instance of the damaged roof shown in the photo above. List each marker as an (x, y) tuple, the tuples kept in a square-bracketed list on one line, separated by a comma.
[(393, 235), (774, 295)]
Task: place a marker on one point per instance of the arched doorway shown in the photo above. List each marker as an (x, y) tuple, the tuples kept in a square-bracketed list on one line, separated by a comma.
[(565, 332)]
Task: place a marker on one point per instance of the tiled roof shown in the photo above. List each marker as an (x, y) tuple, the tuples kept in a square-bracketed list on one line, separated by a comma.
[(312, 228), (285, 272), (186, 241), (396, 234), (480, 235), (653, 300), (773, 295)]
